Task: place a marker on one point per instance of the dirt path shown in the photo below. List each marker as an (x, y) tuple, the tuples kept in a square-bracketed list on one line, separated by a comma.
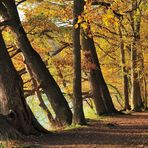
[(117, 131)]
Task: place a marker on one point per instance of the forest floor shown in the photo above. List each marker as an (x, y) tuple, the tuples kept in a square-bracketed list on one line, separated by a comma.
[(118, 131)]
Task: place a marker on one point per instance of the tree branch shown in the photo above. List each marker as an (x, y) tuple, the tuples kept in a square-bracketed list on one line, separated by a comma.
[(4, 23), (20, 2), (96, 2), (55, 52), (22, 71), (15, 53)]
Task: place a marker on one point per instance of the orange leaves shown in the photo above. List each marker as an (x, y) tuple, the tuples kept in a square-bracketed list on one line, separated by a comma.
[(79, 22), (87, 62)]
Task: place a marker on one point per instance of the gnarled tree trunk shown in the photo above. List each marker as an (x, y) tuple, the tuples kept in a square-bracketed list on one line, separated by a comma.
[(12, 101)]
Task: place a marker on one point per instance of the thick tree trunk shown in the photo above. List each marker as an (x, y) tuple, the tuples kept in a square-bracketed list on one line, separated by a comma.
[(7, 131), (12, 99), (77, 88), (102, 98), (124, 72), (34, 61), (93, 77)]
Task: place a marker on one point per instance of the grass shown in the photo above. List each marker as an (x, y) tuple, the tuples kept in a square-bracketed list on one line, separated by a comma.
[(1, 145), (41, 115)]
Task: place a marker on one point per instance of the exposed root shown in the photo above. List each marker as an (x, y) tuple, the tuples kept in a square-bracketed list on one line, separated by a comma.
[(7, 131)]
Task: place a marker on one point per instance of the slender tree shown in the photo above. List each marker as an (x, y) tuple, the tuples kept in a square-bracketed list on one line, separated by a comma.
[(124, 69), (77, 88)]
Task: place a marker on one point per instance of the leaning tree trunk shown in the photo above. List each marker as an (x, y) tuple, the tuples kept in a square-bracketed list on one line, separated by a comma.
[(124, 71), (12, 99), (93, 76), (39, 96), (77, 88), (34, 61), (102, 98)]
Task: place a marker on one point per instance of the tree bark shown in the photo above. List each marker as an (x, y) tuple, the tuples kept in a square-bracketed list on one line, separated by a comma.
[(124, 71), (12, 99), (34, 61), (135, 90), (136, 98), (77, 88), (7, 131), (142, 79), (39, 96), (102, 98), (93, 76)]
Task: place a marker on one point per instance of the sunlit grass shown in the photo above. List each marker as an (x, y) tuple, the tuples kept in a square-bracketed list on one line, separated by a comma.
[(90, 112), (41, 115)]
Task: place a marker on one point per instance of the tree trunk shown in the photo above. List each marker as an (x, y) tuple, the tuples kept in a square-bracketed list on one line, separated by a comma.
[(93, 77), (7, 131), (39, 96), (135, 90), (124, 72), (12, 99), (102, 98), (34, 61), (142, 79), (136, 98), (77, 88)]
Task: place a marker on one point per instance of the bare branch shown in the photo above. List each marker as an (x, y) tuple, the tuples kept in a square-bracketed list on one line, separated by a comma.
[(96, 2), (4, 23), (55, 52), (20, 2), (28, 81), (14, 54), (22, 71)]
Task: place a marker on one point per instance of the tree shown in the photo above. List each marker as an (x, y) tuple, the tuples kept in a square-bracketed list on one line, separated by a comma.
[(12, 101), (101, 95), (136, 97), (77, 90), (34, 61), (124, 69)]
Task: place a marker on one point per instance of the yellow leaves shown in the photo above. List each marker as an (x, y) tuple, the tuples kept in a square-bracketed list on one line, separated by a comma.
[(80, 19), (76, 26), (84, 25), (110, 19), (107, 18)]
